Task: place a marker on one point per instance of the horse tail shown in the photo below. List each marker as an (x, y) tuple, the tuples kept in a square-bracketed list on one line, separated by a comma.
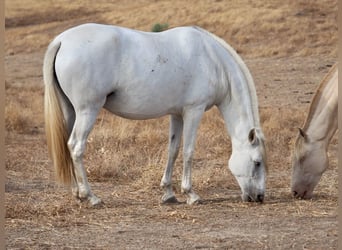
[(55, 123)]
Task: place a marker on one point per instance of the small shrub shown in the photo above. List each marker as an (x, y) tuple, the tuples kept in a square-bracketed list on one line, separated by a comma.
[(159, 27)]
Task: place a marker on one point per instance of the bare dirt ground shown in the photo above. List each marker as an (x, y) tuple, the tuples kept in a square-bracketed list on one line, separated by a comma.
[(288, 48)]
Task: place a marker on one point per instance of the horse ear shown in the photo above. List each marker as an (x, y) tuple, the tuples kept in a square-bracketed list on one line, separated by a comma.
[(252, 137), (303, 134)]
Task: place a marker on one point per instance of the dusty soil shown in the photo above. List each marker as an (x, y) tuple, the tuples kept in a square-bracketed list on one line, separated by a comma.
[(288, 48)]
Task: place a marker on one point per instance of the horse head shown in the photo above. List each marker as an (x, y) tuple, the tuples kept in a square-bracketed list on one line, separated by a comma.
[(248, 164), (309, 162)]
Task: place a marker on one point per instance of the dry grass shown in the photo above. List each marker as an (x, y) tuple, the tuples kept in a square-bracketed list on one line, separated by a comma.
[(254, 29), (24, 112), (129, 150), (16, 120), (288, 44), (126, 151)]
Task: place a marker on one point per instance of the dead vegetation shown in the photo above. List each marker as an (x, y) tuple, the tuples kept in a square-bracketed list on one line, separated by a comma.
[(288, 46)]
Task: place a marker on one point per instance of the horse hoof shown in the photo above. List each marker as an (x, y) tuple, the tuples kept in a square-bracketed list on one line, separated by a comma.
[(95, 202), (194, 199), (169, 200), (195, 202)]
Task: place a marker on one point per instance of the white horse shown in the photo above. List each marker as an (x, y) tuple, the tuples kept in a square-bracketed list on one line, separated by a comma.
[(139, 75), (310, 157)]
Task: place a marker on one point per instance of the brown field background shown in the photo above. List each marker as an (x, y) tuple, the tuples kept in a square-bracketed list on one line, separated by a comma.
[(287, 45)]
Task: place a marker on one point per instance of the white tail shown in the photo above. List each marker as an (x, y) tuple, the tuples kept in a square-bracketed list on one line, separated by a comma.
[(55, 125)]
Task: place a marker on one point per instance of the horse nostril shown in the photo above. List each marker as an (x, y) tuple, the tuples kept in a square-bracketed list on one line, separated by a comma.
[(295, 193), (260, 198)]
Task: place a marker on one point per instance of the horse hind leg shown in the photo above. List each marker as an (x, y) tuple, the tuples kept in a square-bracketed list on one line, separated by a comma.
[(176, 127), (84, 122)]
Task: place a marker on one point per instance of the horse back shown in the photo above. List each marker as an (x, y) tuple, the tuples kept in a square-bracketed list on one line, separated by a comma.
[(145, 73)]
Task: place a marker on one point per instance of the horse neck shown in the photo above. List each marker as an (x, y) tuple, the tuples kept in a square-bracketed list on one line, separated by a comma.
[(241, 106), (321, 123)]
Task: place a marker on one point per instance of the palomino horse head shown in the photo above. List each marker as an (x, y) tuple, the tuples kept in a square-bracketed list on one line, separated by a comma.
[(248, 164), (309, 162)]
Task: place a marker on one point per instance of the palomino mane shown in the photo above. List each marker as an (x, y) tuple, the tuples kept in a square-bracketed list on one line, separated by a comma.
[(317, 96)]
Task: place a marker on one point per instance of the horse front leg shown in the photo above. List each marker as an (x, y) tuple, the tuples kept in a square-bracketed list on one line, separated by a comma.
[(77, 143), (192, 119), (175, 134)]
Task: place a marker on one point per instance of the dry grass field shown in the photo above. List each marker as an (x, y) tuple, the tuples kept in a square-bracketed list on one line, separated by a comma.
[(287, 45)]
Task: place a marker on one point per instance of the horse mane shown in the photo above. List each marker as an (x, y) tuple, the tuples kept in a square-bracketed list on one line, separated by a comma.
[(244, 69), (317, 96), (250, 86), (298, 147)]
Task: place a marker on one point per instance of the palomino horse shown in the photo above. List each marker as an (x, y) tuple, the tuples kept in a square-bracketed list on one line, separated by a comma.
[(310, 157), (138, 75)]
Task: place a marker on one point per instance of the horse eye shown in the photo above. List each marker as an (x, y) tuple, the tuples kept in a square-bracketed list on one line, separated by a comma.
[(257, 163)]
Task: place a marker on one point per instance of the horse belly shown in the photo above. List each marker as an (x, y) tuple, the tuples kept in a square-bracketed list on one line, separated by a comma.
[(143, 104)]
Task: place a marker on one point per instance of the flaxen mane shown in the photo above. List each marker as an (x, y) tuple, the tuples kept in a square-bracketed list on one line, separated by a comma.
[(317, 96)]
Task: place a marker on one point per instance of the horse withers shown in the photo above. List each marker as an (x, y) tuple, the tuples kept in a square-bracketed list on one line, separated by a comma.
[(181, 72)]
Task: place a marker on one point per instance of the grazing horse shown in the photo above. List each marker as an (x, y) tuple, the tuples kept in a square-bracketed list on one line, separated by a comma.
[(181, 72), (310, 157)]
